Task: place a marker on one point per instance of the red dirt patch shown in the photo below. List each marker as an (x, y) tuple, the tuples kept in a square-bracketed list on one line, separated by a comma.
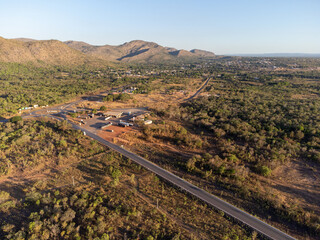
[(117, 131)]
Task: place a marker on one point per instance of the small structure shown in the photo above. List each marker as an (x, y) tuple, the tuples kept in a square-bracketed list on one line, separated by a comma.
[(147, 122), (106, 125), (140, 117), (123, 124), (83, 116), (114, 114)]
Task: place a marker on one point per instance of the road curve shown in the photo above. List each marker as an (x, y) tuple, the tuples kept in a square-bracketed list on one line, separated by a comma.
[(251, 221)]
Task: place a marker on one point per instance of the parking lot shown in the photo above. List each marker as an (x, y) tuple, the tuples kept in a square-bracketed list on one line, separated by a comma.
[(95, 123)]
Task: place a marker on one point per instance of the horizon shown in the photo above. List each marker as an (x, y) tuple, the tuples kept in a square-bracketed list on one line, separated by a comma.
[(229, 28)]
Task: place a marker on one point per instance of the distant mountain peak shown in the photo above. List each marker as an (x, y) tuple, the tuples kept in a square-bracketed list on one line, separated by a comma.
[(202, 53)]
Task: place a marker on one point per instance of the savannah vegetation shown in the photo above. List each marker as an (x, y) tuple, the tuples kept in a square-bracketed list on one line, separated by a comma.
[(25, 85), (93, 193), (257, 116), (234, 139)]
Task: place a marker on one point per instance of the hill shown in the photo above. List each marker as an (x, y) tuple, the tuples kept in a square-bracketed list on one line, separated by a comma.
[(137, 50), (41, 52), (202, 53), (24, 50)]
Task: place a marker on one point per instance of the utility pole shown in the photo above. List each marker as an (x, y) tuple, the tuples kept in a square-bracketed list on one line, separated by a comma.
[(72, 180)]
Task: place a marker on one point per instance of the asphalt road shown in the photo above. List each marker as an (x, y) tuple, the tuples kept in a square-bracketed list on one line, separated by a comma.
[(214, 201)]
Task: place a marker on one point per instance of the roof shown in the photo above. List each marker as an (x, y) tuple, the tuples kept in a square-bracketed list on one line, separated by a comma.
[(114, 113)]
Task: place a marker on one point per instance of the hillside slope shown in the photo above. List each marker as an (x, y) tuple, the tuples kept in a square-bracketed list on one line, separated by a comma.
[(23, 50), (137, 51), (47, 52)]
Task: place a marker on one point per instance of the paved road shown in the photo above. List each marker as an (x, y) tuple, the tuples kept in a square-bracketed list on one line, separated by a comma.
[(214, 201)]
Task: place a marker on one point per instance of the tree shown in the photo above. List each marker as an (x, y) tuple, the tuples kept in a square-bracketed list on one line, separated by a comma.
[(103, 108), (108, 98), (15, 119), (264, 171)]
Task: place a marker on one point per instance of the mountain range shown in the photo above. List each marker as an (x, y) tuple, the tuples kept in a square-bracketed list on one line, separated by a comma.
[(23, 50)]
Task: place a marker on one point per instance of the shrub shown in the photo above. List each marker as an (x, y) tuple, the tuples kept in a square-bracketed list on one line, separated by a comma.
[(264, 171), (15, 119), (63, 143), (4, 196), (103, 108), (108, 98), (74, 115)]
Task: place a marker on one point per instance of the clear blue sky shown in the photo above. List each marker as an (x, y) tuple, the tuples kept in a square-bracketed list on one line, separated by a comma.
[(221, 26)]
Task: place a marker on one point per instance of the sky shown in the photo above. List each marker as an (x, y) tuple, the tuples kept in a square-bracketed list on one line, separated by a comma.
[(220, 26)]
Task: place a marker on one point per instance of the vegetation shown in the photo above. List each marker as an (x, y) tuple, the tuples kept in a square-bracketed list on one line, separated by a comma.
[(257, 118), (32, 143), (27, 85), (251, 124), (117, 97), (110, 197)]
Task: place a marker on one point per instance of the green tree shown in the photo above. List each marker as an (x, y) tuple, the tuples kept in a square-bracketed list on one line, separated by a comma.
[(15, 119), (103, 108), (264, 171)]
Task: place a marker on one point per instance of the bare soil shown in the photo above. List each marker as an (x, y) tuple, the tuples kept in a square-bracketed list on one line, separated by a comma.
[(298, 182), (117, 131)]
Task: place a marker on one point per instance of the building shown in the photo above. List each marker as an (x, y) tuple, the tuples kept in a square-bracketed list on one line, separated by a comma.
[(114, 114), (147, 122)]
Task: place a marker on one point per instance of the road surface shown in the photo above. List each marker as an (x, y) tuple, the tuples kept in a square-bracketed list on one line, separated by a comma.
[(199, 90), (214, 201)]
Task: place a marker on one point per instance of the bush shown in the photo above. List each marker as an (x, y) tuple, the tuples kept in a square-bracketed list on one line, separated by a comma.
[(74, 115), (117, 97), (4, 196), (103, 108), (124, 97), (264, 171), (108, 98), (15, 119)]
